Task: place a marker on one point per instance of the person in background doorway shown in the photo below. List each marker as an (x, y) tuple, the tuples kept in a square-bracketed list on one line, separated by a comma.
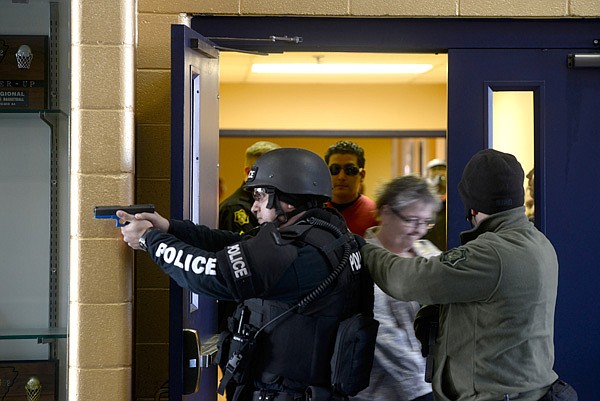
[(529, 197), (234, 212), (346, 161), (222, 188), (406, 207), (496, 293), (436, 178)]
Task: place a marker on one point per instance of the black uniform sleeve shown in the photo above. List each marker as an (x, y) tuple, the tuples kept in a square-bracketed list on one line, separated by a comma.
[(191, 267), (201, 236), (265, 266)]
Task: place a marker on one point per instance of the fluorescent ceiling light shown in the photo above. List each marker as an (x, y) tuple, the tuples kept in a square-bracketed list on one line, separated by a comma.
[(307, 68)]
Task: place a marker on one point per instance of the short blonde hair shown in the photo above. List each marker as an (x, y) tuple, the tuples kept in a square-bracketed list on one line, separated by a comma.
[(256, 150)]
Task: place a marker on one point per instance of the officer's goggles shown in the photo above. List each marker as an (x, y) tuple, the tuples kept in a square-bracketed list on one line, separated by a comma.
[(349, 169), (259, 194)]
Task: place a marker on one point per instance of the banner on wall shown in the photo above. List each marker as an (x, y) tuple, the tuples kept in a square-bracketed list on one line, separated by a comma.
[(23, 72)]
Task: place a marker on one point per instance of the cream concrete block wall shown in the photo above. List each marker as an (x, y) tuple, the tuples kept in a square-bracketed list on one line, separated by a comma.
[(584, 8), (101, 127), (188, 6), (99, 385), (107, 22), (153, 96), (295, 7), (513, 8), (405, 8), (153, 142), (409, 8), (154, 37), (102, 72), (102, 168), (110, 285), (102, 347)]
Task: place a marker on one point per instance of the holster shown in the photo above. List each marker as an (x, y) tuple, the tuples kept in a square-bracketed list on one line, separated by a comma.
[(560, 391), (314, 393)]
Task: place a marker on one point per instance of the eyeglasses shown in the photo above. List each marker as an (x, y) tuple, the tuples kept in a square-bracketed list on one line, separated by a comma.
[(259, 194), (414, 222), (349, 169)]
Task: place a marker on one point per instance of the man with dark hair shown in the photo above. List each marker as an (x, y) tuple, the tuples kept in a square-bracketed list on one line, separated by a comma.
[(346, 162), (298, 281), (496, 294)]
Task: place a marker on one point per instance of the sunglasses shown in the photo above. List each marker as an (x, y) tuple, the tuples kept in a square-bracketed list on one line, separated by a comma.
[(349, 169)]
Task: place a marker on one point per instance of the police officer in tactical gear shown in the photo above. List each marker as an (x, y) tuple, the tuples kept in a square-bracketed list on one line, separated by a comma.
[(298, 280)]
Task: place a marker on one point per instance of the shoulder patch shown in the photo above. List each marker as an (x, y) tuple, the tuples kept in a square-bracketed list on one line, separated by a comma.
[(237, 261), (454, 256), (241, 217)]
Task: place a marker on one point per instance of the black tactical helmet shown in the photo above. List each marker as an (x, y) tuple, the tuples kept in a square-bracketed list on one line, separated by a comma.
[(291, 171)]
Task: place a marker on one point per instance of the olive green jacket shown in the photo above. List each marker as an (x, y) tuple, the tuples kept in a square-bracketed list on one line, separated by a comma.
[(497, 294)]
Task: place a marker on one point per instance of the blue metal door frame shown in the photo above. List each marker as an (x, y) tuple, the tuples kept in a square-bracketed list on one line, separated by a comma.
[(565, 157), (194, 166)]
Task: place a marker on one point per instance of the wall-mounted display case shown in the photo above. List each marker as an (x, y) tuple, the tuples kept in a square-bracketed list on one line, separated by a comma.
[(34, 132)]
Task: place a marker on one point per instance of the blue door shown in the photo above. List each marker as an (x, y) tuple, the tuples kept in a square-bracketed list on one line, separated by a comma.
[(566, 142), (194, 196), (566, 130)]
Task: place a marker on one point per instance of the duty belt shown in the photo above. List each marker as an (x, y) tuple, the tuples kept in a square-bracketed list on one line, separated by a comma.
[(536, 394), (266, 395)]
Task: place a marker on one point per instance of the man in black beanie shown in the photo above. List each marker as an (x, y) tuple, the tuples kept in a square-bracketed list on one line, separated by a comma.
[(495, 294)]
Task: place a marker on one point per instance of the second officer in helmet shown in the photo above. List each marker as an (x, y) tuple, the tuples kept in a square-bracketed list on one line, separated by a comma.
[(298, 279)]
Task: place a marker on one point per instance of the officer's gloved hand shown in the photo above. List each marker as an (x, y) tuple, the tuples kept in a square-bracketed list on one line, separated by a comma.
[(427, 315), (360, 241)]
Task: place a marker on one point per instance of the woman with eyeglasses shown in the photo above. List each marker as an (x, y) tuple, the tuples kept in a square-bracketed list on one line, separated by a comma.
[(407, 208)]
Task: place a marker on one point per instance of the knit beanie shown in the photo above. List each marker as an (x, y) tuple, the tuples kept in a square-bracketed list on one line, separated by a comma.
[(492, 182)]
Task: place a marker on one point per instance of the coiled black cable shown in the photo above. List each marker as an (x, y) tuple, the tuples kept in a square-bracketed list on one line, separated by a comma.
[(338, 269), (314, 294)]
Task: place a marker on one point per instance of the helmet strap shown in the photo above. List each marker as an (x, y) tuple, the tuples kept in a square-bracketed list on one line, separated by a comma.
[(276, 203)]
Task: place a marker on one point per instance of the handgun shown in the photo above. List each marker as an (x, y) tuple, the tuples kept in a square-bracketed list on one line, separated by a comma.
[(110, 212)]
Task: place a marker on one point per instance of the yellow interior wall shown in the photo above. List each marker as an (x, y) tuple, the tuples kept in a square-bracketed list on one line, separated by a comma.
[(513, 125), (346, 107), (327, 107)]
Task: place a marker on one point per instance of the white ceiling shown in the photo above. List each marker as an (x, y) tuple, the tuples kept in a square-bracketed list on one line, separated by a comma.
[(236, 68)]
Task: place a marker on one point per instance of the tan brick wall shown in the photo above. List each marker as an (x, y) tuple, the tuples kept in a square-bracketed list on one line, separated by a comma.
[(405, 8), (584, 8), (102, 157), (513, 8), (153, 117)]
